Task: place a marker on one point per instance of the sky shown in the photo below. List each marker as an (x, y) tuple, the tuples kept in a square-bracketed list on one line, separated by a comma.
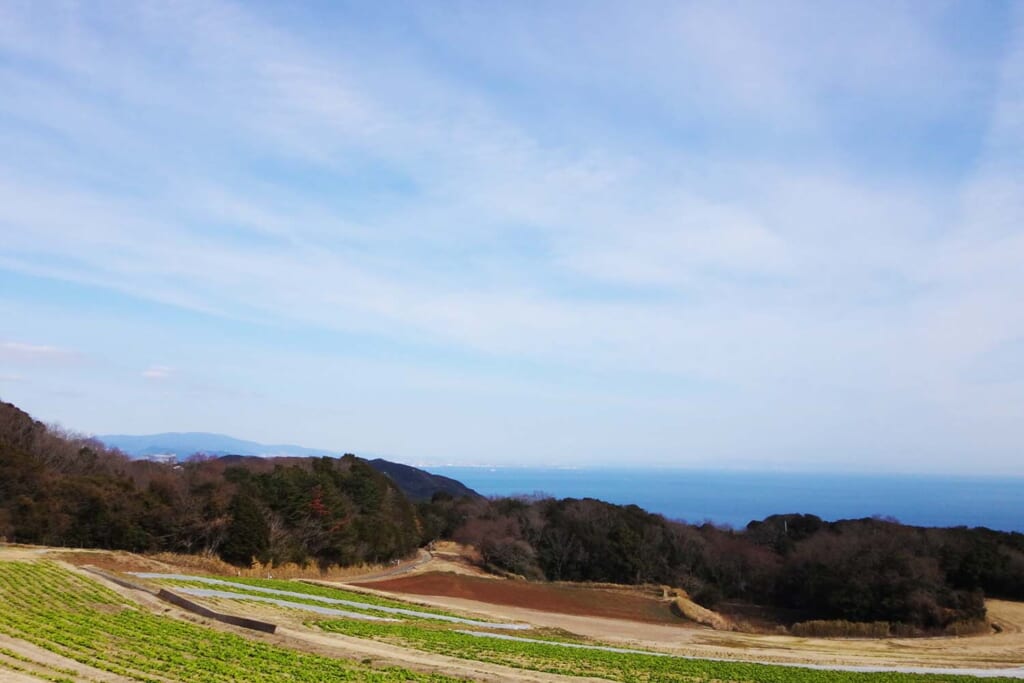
[(777, 236)]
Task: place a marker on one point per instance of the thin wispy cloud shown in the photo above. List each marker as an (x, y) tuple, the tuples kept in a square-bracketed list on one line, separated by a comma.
[(157, 373), (20, 352), (808, 221)]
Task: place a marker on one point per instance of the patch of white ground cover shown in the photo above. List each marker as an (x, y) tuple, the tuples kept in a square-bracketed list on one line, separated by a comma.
[(319, 598), (330, 611)]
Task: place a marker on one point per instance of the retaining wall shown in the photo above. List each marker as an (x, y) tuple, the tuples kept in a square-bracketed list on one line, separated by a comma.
[(186, 604)]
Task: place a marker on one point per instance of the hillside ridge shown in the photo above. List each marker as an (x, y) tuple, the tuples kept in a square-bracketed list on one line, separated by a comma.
[(417, 484)]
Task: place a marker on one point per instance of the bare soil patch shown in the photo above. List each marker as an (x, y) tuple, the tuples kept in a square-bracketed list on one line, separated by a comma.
[(1009, 616), (14, 553), (613, 603), (15, 677), (111, 560), (448, 556)]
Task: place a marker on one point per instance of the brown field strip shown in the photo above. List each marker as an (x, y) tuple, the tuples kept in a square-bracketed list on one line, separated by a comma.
[(630, 604)]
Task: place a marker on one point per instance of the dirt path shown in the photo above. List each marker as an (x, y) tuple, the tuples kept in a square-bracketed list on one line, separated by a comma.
[(422, 558), (15, 553), (444, 556)]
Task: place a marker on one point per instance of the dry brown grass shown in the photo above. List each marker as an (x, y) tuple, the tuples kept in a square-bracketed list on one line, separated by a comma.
[(122, 561), (882, 629), (968, 628), (688, 609), (211, 564)]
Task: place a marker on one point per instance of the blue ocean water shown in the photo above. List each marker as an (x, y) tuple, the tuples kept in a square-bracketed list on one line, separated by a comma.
[(735, 498)]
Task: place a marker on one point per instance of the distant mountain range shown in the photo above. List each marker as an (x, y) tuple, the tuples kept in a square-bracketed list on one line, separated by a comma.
[(417, 484), (184, 444)]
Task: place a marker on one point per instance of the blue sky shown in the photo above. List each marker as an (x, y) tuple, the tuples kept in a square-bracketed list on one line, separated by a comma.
[(740, 235)]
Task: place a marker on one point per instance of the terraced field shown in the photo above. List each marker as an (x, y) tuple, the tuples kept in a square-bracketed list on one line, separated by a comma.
[(444, 633), (76, 618), (95, 634), (295, 595)]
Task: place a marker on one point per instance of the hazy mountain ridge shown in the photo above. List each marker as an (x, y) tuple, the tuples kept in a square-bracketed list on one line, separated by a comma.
[(184, 444), (415, 483)]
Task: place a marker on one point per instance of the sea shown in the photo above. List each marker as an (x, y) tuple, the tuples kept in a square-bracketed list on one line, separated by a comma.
[(734, 498)]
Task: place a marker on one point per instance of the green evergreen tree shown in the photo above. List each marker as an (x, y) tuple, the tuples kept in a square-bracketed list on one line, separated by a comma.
[(248, 535)]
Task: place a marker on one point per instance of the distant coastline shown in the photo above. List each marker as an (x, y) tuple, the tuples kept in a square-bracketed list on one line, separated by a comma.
[(736, 497)]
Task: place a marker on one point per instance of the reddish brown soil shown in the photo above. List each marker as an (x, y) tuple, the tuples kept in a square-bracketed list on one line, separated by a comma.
[(111, 561), (628, 604)]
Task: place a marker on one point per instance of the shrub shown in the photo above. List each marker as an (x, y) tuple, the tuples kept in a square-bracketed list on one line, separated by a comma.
[(839, 628)]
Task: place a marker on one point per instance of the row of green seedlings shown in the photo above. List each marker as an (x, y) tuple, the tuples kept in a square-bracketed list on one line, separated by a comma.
[(14, 661), (559, 659)]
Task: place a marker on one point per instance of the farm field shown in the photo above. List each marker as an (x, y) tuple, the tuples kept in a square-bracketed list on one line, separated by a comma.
[(605, 663), (613, 603), (61, 624), (77, 619), (587, 615)]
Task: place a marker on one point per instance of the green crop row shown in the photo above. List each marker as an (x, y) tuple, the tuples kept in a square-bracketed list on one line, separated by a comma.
[(35, 670), (14, 661), (73, 616), (555, 658)]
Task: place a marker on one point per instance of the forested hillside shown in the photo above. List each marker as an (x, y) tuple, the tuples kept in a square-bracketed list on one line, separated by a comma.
[(59, 489), (858, 570), (420, 485)]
